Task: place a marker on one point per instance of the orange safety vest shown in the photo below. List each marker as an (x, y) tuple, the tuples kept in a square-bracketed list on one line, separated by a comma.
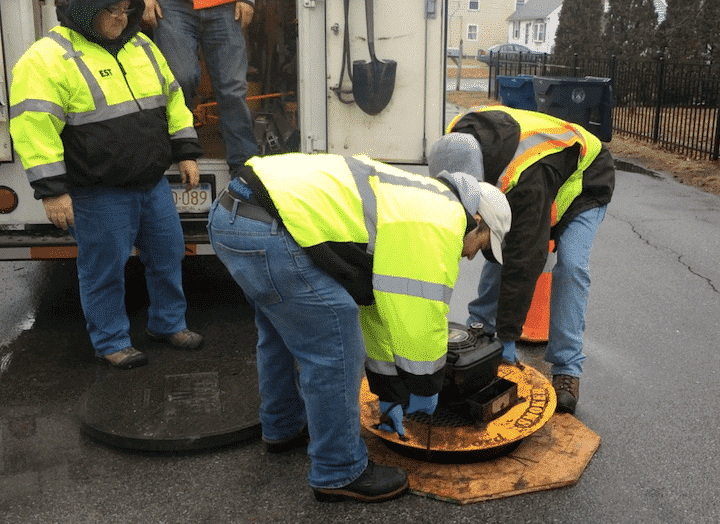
[(202, 4)]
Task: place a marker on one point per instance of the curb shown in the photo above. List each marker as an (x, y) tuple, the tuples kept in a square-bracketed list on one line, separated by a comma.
[(624, 165)]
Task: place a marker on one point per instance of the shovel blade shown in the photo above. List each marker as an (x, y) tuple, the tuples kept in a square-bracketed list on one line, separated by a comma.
[(373, 84)]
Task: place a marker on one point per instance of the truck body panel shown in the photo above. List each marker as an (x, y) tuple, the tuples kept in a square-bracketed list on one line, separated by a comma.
[(295, 51)]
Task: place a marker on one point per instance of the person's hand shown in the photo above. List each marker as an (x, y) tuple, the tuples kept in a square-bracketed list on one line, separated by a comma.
[(509, 353), (425, 404), (392, 412), (244, 12), (151, 14), (59, 210), (189, 173)]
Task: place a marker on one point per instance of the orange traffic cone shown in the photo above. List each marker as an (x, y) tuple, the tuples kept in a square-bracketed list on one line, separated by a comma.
[(537, 322)]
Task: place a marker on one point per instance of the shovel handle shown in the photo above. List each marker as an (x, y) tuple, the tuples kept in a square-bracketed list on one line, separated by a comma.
[(369, 13)]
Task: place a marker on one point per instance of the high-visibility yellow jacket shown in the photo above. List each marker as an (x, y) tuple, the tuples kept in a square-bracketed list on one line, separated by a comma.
[(550, 170), (393, 239), (82, 117)]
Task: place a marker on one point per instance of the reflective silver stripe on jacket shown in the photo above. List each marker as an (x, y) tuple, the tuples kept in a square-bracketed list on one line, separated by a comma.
[(103, 111), (399, 285), (139, 42), (389, 369), (535, 140), (45, 171), (37, 106), (381, 367), (412, 288), (361, 173), (420, 368), (185, 132)]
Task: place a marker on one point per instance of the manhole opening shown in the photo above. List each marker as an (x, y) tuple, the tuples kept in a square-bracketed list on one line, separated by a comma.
[(450, 416)]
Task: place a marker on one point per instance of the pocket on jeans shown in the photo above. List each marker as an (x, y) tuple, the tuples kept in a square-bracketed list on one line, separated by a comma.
[(250, 269)]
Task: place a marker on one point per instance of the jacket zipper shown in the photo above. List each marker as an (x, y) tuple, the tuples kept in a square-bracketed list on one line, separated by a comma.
[(128, 83)]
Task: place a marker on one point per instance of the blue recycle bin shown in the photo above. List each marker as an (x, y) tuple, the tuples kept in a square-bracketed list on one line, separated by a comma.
[(587, 101), (517, 91)]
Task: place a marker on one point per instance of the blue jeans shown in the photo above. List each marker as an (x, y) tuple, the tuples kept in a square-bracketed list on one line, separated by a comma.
[(308, 326), (108, 223), (568, 294), (180, 32)]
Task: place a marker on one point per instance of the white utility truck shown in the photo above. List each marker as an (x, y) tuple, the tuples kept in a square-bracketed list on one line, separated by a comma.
[(320, 81)]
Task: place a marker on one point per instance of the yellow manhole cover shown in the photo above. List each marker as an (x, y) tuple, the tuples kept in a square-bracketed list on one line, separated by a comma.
[(547, 451)]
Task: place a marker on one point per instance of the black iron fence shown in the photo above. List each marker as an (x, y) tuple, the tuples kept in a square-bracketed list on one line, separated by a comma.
[(676, 105)]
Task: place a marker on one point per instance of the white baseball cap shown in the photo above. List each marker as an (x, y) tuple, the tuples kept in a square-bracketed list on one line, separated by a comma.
[(488, 201)]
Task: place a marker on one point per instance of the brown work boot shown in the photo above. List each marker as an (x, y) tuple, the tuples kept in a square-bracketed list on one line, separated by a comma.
[(125, 359), (184, 339), (567, 389), (376, 484)]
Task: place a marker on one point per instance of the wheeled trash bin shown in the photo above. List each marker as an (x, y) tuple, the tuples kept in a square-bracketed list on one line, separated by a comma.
[(517, 91), (587, 101)]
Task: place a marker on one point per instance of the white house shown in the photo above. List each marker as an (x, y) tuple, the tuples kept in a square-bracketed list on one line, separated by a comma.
[(534, 24), (479, 23)]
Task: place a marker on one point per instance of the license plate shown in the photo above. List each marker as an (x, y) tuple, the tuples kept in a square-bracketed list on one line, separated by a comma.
[(197, 200)]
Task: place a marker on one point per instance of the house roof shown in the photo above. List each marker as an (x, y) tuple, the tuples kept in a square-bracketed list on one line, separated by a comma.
[(535, 9)]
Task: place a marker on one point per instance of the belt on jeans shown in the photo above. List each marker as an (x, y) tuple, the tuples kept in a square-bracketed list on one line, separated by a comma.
[(244, 208)]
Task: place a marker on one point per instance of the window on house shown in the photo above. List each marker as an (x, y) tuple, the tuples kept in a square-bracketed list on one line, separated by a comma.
[(516, 29), (472, 32), (539, 32), (473, 5)]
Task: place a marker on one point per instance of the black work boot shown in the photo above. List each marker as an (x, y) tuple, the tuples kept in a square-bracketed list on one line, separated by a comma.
[(376, 484), (567, 389)]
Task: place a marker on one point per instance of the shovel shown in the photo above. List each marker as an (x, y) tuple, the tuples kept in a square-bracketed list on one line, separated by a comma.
[(374, 82)]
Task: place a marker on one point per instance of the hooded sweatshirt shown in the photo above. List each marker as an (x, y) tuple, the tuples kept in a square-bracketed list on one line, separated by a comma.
[(79, 15)]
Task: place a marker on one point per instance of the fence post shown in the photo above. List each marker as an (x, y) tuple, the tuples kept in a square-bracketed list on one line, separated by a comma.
[(575, 64), (658, 106), (716, 145), (490, 75), (459, 68)]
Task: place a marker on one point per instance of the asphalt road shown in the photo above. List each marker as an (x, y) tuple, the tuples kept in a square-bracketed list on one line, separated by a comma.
[(650, 391)]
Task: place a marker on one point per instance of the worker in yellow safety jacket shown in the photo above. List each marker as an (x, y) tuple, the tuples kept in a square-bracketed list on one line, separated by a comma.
[(349, 261), (558, 178), (96, 119)]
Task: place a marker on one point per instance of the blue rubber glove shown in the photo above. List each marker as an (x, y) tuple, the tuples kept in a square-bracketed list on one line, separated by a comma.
[(396, 416), (424, 404), (508, 352)]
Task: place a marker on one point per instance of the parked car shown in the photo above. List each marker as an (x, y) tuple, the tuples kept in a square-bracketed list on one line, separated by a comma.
[(506, 52)]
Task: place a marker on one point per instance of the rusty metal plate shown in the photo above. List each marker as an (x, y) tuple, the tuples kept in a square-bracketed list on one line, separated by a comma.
[(536, 406), (555, 456)]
